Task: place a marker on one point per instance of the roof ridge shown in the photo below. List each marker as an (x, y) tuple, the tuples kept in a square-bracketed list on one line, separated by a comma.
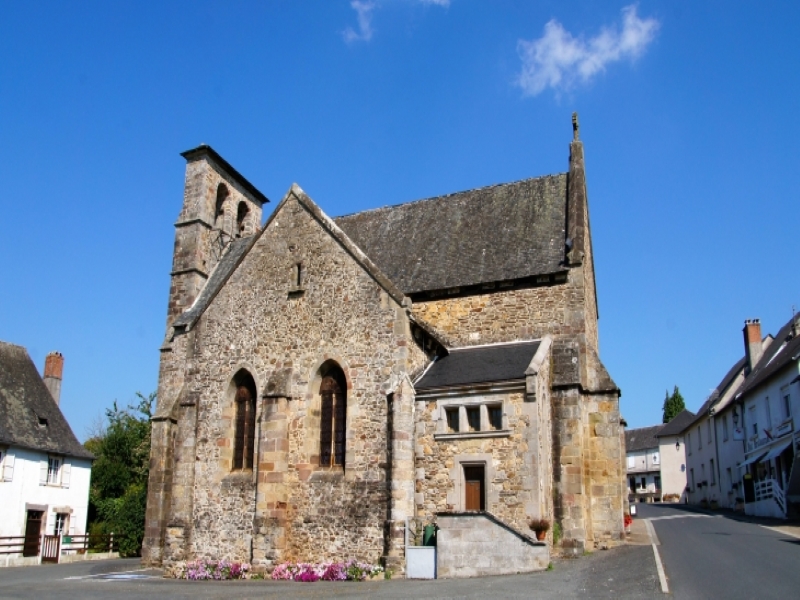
[(494, 344), (450, 195)]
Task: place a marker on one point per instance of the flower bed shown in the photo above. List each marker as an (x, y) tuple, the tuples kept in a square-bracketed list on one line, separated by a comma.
[(346, 571), (218, 570)]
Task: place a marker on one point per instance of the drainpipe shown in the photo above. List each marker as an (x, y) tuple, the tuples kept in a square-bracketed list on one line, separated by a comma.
[(713, 417)]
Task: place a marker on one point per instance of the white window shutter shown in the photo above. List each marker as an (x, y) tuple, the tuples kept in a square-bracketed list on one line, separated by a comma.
[(66, 468), (43, 472), (8, 467)]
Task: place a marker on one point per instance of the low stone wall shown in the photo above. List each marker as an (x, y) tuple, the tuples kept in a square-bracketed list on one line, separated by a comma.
[(474, 544)]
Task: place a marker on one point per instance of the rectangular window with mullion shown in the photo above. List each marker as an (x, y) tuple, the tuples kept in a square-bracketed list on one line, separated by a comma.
[(474, 418), (495, 416)]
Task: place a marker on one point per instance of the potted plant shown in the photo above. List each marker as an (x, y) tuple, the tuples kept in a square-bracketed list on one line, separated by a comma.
[(627, 523), (540, 526)]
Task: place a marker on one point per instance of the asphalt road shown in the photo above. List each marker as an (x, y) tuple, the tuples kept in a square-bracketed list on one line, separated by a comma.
[(716, 556)]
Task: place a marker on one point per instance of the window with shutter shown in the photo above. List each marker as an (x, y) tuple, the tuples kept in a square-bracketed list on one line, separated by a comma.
[(333, 418), (245, 424), (66, 472)]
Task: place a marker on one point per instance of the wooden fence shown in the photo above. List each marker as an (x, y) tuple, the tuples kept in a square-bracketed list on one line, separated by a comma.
[(52, 547)]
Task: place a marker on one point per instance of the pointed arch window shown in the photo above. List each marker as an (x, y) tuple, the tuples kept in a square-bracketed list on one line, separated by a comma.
[(219, 210), (241, 215), (333, 417), (245, 428)]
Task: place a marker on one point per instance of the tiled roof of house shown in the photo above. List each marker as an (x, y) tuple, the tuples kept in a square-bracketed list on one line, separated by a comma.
[(29, 417), (481, 364), (781, 352), (678, 423), (491, 234), (643, 438)]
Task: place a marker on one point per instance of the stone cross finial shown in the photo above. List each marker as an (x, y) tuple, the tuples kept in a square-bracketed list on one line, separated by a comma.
[(575, 126)]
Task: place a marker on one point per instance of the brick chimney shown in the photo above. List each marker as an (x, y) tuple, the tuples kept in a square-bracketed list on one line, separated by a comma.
[(752, 343), (53, 369)]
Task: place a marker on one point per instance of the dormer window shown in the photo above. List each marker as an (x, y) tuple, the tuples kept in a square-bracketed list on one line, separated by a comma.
[(42, 422)]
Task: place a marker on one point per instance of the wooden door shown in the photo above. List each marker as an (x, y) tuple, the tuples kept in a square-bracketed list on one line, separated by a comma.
[(33, 527), (474, 488)]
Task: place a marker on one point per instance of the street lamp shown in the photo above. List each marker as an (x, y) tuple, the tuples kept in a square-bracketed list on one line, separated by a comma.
[(735, 417), (677, 445)]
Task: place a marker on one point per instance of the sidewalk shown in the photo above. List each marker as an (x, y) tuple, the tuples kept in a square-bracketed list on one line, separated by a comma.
[(638, 535)]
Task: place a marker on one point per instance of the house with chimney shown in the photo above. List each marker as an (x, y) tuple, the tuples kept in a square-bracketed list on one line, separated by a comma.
[(769, 404), (742, 446), (325, 383), (44, 471)]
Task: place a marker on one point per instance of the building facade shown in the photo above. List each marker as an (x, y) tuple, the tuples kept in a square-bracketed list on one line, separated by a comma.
[(44, 471), (742, 446), (324, 380)]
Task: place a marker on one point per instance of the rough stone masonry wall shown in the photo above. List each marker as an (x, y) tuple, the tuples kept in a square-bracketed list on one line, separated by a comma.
[(508, 315), (261, 322), (602, 468), (510, 472)]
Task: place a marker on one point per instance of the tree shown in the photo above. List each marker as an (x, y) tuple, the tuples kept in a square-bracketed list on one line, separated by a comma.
[(673, 405), (118, 493)]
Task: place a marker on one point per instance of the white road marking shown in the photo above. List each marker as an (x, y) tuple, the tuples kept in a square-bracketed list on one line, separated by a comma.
[(111, 575), (662, 577)]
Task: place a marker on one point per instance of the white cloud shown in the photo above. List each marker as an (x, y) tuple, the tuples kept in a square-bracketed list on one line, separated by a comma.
[(364, 14), (559, 60)]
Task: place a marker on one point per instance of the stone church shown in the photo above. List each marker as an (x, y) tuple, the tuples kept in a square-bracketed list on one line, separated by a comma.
[(323, 380)]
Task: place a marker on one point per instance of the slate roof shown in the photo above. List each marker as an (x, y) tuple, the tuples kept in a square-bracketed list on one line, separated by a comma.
[(219, 276), (480, 364), (491, 234), (24, 401), (643, 438), (678, 423), (784, 349)]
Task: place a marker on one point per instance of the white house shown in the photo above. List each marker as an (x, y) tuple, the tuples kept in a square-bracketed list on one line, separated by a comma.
[(768, 402), (656, 463), (643, 466), (44, 488), (672, 452), (741, 448), (712, 452)]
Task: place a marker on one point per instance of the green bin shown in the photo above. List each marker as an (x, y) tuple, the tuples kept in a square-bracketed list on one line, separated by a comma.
[(429, 535)]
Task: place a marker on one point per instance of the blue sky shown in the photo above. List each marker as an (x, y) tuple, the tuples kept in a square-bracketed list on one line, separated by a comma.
[(688, 111)]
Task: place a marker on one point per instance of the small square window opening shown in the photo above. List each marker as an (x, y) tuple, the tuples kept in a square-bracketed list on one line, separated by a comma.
[(452, 419), (496, 416), (474, 418)]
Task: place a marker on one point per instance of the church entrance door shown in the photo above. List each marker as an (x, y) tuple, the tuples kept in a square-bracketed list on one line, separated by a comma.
[(474, 488)]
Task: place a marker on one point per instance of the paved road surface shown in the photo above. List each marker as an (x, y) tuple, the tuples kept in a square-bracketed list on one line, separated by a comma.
[(708, 555)]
